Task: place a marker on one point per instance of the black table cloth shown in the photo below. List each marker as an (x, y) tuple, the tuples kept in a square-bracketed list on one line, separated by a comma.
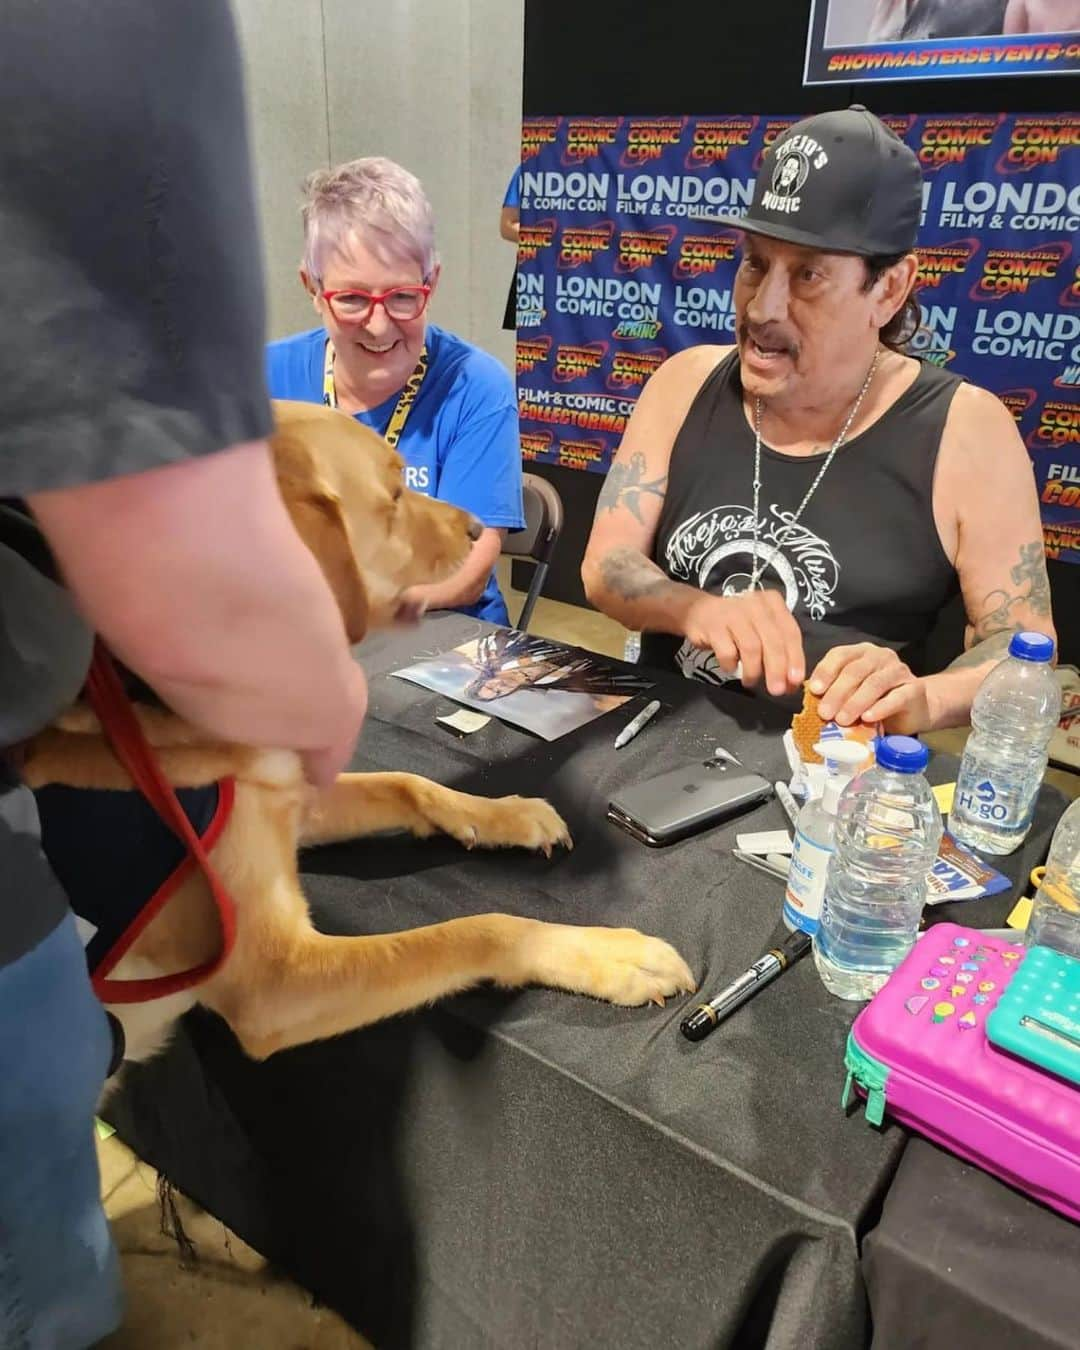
[(535, 1169)]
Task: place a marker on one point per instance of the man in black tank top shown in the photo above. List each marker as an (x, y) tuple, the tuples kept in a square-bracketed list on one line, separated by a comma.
[(804, 504)]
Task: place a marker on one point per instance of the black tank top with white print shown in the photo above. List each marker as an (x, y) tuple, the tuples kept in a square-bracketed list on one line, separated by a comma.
[(863, 564)]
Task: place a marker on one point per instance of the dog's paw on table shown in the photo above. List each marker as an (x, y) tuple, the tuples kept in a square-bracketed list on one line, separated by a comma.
[(498, 822), (618, 965)]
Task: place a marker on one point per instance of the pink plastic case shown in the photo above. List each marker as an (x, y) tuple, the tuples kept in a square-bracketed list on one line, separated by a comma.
[(919, 1049)]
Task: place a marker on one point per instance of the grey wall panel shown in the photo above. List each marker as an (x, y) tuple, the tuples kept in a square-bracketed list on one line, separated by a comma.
[(283, 56)]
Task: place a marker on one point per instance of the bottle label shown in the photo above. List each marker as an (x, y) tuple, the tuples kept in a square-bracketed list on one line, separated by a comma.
[(988, 800), (806, 883)]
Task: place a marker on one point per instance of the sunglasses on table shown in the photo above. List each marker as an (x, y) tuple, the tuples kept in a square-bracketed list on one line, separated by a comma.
[(400, 302)]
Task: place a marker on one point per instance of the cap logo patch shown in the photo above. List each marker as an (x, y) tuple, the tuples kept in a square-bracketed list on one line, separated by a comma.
[(795, 158)]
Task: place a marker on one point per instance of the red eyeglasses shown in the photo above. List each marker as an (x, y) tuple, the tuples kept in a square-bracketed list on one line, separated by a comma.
[(401, 303)]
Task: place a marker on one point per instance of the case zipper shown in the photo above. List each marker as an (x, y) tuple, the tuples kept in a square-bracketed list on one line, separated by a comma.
[(870, 1074)]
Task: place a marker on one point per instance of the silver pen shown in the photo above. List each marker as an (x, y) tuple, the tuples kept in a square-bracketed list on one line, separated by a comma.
[(633, 727), (767, 865), (787, 801)]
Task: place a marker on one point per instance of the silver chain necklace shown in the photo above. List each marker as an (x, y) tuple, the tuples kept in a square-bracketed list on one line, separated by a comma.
[(760, 564)]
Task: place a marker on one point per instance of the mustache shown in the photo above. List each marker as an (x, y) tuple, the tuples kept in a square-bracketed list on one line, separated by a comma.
[(768, 336)]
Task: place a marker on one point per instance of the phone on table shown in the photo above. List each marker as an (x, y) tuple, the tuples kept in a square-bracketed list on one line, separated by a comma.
[(687, 800)]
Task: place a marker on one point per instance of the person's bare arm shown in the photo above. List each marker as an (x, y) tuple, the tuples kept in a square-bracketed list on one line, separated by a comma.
[(985, 483), (195, 577), (466, 585), (510, 223), (1016, 17), (755, 632)]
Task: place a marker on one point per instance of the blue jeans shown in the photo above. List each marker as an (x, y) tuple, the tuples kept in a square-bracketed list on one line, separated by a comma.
[(59, 1276)]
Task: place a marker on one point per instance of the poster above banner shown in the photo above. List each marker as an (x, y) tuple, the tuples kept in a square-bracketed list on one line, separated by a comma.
[(851, 41), (620, 266)]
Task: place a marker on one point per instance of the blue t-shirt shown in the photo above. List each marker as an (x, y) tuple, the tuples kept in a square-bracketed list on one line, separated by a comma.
[(513, 191), (460, 442)]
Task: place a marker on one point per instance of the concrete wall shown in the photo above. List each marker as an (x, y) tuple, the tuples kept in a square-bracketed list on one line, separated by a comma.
[(434, 84)]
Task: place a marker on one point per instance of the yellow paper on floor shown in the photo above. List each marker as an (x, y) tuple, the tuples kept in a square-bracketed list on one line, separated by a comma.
[(943, 795)]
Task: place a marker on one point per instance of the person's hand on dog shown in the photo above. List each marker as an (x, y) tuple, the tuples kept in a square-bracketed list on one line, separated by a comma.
[(867, 683), (322, 766), (754, 631)]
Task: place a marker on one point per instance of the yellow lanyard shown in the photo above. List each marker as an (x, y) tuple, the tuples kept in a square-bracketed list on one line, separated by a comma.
[(406, 398)]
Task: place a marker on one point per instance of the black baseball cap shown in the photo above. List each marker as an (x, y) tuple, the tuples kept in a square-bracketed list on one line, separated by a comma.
[(841, 182)]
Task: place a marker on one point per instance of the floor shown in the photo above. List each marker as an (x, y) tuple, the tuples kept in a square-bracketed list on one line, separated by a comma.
[(229, 1296)]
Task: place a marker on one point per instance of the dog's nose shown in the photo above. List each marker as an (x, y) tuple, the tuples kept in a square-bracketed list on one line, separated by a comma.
[(475, 527)]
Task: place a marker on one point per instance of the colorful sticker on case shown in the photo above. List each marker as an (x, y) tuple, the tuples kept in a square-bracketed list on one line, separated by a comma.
[(961, 942), (916, 1003), (943, 1010), (942, 971), (930, 983), (970, 965), (965, 977), (985, 986), (958, 991), (967, 1021), (980, 999), (1010, 956), (947, 960)]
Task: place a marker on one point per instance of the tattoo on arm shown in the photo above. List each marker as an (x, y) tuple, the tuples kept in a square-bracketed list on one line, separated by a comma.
[(1031, 592), (990, 649), (625, 485), (630, 575)]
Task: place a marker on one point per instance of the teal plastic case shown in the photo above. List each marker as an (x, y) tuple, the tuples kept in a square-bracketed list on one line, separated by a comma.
[(1037, 1017)]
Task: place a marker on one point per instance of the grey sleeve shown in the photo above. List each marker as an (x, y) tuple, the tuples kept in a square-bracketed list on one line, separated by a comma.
[(131, 304)]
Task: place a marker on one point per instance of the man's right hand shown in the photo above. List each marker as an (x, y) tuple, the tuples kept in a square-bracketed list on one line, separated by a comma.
[(756, 632)]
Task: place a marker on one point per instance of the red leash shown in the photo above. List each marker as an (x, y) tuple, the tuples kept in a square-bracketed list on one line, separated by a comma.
[(109, 701)]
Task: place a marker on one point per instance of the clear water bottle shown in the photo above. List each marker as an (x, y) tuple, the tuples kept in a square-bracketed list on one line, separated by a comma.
[(632, 648), (1012, 719), (888, 828), (1055, 913)]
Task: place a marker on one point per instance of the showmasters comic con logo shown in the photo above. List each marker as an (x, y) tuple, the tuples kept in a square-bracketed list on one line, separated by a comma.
[(536, 132), (534, 238), (714, 138), (536, 444), (1008, 272), (648, 137), (1038, 141), (531, 353), (940, 261), (630, 370), (587, 136), (575, 360), (579, 244), (641, 248), (949, 140), (702, 254)]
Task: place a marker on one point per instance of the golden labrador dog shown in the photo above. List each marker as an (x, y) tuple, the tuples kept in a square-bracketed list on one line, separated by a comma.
[(284, 983)]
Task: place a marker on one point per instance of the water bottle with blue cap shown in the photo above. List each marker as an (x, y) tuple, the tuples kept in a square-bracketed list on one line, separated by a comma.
[(888, 828), (1012, 719)]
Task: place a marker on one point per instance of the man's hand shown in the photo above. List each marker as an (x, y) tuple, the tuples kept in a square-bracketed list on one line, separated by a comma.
[(866, 683), (755, 631)]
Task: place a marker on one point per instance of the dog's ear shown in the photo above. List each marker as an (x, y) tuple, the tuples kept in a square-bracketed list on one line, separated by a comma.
[(315, 510)]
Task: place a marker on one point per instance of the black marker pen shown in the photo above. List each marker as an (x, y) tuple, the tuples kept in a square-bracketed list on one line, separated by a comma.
[(697, 1024)]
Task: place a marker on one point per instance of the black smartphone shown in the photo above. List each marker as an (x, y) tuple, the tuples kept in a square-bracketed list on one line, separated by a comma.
[(684, 801)]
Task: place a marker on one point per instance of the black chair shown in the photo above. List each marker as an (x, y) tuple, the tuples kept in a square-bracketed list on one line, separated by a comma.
[(543, 525)]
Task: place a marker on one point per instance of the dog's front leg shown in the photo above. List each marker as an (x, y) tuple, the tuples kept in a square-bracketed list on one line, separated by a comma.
[(287, 987), (367, 803)]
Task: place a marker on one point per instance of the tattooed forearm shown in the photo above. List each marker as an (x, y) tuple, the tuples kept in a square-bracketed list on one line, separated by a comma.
[(990, 649), (1004, 610), (628, 574), (625, 485)]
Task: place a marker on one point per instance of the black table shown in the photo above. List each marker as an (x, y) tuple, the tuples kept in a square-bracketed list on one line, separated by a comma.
[(534, 1169)]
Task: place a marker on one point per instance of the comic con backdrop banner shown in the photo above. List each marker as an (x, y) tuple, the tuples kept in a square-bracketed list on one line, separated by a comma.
[(619, 267)]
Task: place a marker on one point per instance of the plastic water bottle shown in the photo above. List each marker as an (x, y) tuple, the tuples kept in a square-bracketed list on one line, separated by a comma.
[(632, 648), (1012, 719), (888, 828), (1055, 913), (814, 830)]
